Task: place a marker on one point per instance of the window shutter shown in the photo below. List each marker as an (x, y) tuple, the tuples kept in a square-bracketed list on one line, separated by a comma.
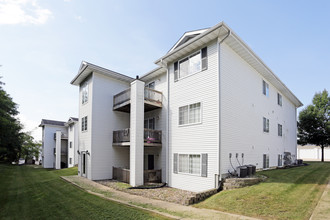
[(204, 165), (176, 72), (264, 165), (204, 58), (175, 163)]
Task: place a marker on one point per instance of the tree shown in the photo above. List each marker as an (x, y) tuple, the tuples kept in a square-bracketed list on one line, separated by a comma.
[(10, 128), (30, 148), (314, 122)]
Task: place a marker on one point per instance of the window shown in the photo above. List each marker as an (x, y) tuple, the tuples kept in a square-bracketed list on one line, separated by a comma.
[(84, 124), (84, 93), (190, 163), (279, 160), (279, 130), (266, 161), (70, 144), (266, 124), (191, 64), (265, 88), (149, 123), (190, 114), (70, 160), (151, 85), (279, 99)]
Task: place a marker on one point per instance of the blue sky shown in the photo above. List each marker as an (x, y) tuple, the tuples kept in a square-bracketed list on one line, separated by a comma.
[(43, 42)]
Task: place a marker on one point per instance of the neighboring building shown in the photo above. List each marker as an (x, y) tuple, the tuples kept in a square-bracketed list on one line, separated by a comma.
[(211, 98), (59, 143), (72, 126), (312, 153)]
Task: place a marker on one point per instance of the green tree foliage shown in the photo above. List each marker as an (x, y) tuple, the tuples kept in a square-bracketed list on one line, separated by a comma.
[(10, 128), (30, 148), (314, 122)]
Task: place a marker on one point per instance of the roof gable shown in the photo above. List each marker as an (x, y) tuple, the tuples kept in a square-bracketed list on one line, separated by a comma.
[(187, 36)]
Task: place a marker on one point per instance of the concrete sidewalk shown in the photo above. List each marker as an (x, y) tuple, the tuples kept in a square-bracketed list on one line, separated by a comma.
[(167, 209), (322, 210)]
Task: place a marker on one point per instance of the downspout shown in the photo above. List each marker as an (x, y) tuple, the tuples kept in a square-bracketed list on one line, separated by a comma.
[(218, 177)]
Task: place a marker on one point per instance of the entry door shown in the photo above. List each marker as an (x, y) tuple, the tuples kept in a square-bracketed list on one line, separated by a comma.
[(83, 164), (151, 162), (149, 123)]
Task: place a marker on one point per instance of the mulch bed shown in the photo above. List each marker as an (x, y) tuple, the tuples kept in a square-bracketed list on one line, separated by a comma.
[(165, 193)]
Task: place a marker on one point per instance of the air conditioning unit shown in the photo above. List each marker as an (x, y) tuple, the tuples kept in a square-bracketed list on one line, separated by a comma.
[(242, 171)]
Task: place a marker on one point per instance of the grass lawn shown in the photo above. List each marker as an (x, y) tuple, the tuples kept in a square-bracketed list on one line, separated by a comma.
[(286, 194), (35, 193)]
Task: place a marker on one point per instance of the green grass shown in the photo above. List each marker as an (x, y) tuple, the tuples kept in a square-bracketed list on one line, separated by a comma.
[(35, 193), (286, 194)]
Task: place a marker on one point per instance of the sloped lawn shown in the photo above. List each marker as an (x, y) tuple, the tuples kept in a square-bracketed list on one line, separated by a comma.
[(35, 193), (286, 194)]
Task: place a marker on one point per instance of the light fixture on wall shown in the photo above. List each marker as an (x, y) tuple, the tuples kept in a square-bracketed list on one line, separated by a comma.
[(78, 151), (157, 117), (88, 153)]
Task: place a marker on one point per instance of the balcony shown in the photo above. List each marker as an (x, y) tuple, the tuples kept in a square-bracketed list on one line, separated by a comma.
[(152, 100), (152, 138), (63, 136)]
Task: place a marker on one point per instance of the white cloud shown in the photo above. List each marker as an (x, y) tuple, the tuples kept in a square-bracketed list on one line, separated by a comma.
[(78, 18), (31, 126), (22, 12)]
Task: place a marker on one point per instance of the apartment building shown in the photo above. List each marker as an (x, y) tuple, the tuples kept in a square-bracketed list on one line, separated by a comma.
[(210, 106), (59, 143)]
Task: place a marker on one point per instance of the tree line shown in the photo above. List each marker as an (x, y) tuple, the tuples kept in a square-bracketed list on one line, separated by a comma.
[(14, 143)]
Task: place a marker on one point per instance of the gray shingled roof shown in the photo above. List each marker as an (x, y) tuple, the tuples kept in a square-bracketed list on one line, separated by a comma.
[(51, 122)]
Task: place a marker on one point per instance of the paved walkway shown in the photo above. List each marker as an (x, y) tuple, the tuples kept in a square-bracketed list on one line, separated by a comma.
[(322, 210), (168, 209)]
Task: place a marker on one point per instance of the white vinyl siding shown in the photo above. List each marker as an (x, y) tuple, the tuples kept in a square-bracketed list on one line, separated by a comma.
[(242, 111), (190, 114), (201, 139)]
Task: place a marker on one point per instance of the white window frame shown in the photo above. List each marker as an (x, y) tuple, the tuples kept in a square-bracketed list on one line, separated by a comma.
[(191, 55), (265, 88), (279, 99), (84, 121), (200, 115), (85, 90), (265, 128), (200, 164)]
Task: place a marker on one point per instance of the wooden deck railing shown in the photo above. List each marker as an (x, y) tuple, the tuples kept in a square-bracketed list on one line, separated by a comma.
[(150, 95), (122, 97), (123, 175), (150, 136)]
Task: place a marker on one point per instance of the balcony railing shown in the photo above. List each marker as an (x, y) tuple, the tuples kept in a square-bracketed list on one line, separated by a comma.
[(122, 97), (152, 95), (149, 176), (63, 136), (152, 98), (150, 136)]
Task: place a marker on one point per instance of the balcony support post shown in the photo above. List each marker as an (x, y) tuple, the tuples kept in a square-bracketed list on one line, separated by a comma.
[(58, 150), (137, 133)]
